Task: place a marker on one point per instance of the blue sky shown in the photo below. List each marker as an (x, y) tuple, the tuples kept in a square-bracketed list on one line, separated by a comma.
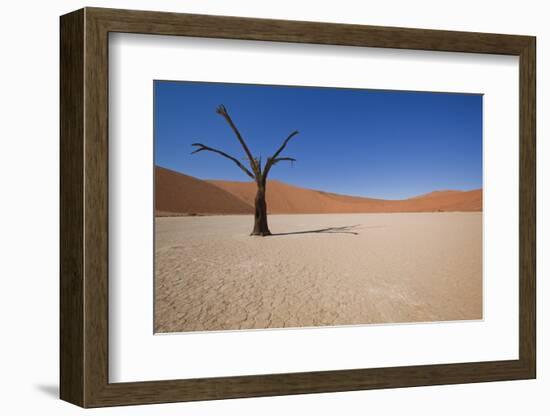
[(382, 144)]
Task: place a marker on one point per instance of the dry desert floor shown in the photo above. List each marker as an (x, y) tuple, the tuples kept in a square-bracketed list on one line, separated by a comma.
[(316, 270)]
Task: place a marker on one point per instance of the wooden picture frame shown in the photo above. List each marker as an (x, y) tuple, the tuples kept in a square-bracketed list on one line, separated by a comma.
[(84, 207)]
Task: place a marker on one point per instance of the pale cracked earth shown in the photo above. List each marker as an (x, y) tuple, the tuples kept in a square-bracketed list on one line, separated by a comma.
[(326, 269)]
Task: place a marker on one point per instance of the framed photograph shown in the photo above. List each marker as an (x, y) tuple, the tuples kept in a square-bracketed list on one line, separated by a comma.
[(255, 207)]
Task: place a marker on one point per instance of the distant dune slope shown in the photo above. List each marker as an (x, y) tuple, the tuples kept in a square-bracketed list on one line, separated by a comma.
[(450, 200), (287, 199), (178, 193)]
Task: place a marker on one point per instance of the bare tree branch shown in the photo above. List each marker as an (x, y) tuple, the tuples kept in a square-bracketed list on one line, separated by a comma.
[(260, 205), (281, 159), (278, 152), (221, 110), (201, 147), (274, 159)]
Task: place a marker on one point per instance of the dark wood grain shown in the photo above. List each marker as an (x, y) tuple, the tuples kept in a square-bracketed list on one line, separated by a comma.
[(527, 208), (96, 219), (84, 207), (71, 213), (162, 23)]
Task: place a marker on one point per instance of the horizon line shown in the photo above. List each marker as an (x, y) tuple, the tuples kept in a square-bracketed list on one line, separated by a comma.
[(323, 191)]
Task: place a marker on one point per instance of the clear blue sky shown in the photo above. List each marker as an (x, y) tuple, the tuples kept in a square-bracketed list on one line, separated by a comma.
[(383, 144)]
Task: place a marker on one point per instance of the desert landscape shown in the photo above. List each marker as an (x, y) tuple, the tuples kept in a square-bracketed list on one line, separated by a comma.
[(179, 194), (331, 259), (296, 206)]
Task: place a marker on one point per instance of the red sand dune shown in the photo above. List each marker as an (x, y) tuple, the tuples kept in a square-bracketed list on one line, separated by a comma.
[(176, 193), (181, 194)]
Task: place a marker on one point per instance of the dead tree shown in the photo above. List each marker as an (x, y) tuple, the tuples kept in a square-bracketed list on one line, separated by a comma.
[(256, 171)]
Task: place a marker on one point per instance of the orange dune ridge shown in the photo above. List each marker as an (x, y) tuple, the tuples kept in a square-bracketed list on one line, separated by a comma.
[(176, 193)]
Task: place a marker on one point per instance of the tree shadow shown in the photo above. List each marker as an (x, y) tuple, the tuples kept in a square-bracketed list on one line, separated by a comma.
[(346, 229)]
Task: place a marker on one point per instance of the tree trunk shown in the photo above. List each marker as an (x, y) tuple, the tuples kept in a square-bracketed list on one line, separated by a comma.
[(260, 213)]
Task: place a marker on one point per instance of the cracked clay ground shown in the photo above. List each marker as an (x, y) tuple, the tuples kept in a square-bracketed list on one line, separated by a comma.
[(325, 269)]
